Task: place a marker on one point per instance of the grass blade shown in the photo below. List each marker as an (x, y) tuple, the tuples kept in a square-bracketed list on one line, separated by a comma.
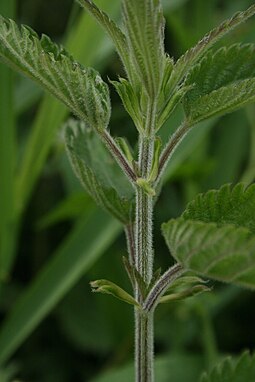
[(86, 243), (7, 156)]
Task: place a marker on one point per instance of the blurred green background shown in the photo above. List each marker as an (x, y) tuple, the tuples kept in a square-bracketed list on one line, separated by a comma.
[(54, 240)]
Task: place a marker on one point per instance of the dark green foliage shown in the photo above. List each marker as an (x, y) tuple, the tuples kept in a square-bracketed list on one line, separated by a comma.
[(144, 27), (98, 172), (80, 89), (89, 337), (240, 370), (222, 82), (215, 235)]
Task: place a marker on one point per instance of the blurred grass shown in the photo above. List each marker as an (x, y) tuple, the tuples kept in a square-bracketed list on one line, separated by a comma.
[(7, 156)]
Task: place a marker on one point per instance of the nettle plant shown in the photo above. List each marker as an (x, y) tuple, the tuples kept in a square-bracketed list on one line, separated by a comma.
[(215, 236)]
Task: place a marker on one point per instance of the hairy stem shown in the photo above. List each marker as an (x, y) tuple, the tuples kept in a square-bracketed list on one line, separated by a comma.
[(161, 286), (144, 252), (144, 347), (118, 155), (143, 234)]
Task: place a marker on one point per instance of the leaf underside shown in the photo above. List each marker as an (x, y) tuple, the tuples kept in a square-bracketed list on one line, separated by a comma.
[(242, 370), (222, 82), (98, 172), (81, 90), (215, 236)]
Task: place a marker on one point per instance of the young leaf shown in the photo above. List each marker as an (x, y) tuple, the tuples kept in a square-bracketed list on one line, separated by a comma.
[(98, 173), (235, 371), (222, 82), (193, 55), (131, 101), (107, 287), (167, 108), (115, 33), (182, 295), (80, 89), (144, 27), (135, 277), (215, 235), (184, 287)]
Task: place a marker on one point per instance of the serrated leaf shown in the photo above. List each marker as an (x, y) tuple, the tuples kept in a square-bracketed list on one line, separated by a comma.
[(215, 235), (228, 205), (225, 100), (193, 55), (98, 173), (112, 29), (80, 89), (108, 287), (222, 82), (230, 370), (144, 29), (131, 101)]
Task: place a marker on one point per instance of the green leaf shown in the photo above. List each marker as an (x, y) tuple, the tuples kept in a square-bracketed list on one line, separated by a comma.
[(51, 114), (135, 277), (131, 101), (115, 33), (232, 371), (108, 287), (215, 235), (184, 287), (171, 102), (144, 28), (228, 205), (98, 172), (80, 89), (193, 55), (193, 291), (87, 241), (222, 82)]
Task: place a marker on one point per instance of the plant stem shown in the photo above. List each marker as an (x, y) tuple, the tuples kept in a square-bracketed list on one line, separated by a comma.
[(118, 155), (144, 252), (161, 286), (144, 347)]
